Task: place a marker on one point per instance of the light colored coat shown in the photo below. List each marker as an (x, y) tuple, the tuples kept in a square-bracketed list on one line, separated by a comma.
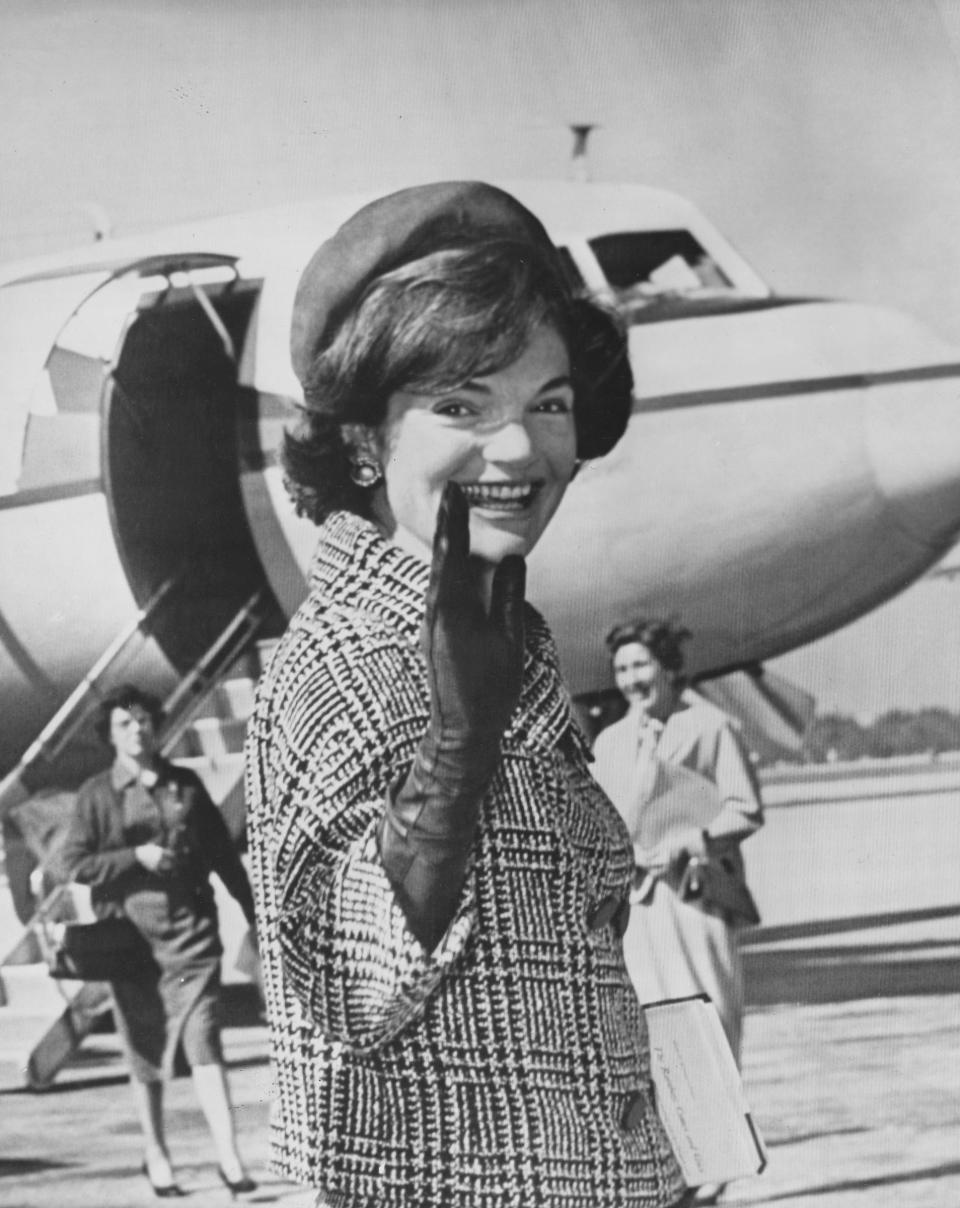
[(510, 1065), (675, 948)]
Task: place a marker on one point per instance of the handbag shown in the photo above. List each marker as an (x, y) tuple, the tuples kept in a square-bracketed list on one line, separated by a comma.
[(708, 882), (110, 949)]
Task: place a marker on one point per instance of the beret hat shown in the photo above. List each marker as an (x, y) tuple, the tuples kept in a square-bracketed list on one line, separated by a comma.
[(387, 233)]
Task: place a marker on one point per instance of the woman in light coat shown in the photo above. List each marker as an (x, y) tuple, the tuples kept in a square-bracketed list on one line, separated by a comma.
[(675, 769), (676, 947)]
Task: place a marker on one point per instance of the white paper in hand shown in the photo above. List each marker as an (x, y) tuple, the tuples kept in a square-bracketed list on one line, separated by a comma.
[(699, 1093), (681, 799)]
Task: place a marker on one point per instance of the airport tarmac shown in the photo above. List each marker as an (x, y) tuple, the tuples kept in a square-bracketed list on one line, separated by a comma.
[(851, 1050)]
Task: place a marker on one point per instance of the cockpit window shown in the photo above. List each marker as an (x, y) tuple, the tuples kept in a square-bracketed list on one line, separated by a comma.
[(646, 267)]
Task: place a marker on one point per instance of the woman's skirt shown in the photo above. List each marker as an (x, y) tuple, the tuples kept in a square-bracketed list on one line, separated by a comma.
[(673, 949), (177, 1001)]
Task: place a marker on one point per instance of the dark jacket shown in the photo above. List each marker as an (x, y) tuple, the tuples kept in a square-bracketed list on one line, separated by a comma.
[(99, 848)]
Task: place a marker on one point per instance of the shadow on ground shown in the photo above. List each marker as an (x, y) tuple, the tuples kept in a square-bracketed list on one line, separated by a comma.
[(17, 1167), (866, 1184), (783, 967)]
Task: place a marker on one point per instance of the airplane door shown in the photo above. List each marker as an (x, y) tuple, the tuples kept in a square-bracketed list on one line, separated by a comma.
[(172, 414), (128, 477)]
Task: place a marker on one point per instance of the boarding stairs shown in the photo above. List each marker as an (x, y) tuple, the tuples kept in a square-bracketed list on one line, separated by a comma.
[(43, 1021)]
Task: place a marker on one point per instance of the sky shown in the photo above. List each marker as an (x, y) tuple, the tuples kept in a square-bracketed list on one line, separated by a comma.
[(821, 136)]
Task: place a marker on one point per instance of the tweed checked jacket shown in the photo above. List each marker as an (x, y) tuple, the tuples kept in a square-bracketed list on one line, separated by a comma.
[(510, 1065)]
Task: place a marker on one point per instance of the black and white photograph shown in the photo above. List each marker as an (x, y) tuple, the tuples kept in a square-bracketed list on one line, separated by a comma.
[(480, 603)]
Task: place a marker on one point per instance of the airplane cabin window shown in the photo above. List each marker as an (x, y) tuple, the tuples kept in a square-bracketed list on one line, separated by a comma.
[(649, 267)]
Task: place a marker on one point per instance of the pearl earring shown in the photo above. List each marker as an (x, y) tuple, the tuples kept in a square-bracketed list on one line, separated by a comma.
[(365, 472)]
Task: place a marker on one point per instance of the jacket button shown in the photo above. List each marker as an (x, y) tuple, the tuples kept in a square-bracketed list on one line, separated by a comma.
[(621, 918), (603, 912), (634, 1112)]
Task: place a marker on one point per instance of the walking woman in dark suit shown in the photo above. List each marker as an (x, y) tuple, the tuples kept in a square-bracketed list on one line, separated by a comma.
[(145, 837)]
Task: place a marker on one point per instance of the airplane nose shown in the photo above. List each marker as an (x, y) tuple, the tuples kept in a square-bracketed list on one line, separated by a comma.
[(912, 433)]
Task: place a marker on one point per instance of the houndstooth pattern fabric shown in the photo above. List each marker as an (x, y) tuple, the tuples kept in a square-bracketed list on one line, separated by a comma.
[(507, 1067)]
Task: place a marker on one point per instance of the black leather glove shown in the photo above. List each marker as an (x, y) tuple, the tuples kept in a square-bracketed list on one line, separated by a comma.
[(474, 668)]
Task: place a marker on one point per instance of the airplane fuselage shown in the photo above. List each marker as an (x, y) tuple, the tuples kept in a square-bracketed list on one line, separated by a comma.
[(790, 463)]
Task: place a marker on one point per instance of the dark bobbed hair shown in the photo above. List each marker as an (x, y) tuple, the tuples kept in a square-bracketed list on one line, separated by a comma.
[(125, 696), (433, 324), (662, 637)]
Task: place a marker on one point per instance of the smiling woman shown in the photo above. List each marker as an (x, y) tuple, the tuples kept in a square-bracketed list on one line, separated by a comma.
[(508, 439), (677, 772), (420, 810), (435, 329)]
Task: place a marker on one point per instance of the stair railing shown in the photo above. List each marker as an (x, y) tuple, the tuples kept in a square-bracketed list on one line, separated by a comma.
[(185, 701), (76, 709)]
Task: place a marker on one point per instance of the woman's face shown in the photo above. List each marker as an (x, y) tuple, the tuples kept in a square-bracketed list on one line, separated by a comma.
[(643, 681), (508, 439), (132, 733)]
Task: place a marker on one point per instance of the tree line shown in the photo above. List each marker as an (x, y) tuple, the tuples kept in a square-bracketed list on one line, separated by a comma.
[(837, 736)]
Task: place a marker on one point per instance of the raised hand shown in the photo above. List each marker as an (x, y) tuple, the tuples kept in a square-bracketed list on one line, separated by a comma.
[(474, 657)]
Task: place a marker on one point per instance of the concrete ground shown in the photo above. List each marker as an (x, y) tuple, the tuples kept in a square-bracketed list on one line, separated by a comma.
[(851, 1050), (858, 1100)]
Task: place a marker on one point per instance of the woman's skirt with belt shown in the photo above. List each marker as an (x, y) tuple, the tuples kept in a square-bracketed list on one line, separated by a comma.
[(674, 949), (177, 1000)]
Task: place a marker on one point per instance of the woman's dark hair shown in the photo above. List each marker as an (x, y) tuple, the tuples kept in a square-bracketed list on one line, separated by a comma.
[(432, 325), (126, 696), (663, 638)]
